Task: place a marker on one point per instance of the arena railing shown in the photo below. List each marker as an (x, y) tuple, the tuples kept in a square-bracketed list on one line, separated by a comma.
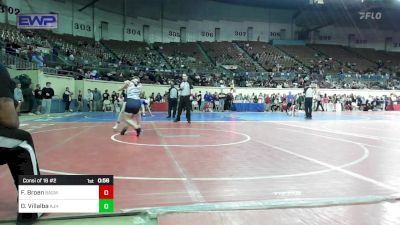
[(363, 77), (60, 72), (18, 63)]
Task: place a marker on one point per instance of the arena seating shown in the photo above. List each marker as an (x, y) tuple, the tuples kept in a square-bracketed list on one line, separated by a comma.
[(135, 53), (385, 59), (339, 67), (310, 57), (185, 56), (85, 51), (225, 53), (347, 58), (268, 56), (19, 43)]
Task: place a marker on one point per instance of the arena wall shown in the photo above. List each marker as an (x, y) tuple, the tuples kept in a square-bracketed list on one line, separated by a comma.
[(198, 19), (59, 83)]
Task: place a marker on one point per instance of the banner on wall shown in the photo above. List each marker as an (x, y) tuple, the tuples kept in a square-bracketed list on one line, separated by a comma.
[(37, 21)]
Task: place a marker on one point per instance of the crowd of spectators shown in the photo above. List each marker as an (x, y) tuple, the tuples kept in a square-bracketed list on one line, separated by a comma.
[(280, 101), (39, 100), (287, 66)]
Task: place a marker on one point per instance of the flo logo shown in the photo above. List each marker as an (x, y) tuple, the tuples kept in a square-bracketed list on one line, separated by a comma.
[(370, 15), (37, 21)]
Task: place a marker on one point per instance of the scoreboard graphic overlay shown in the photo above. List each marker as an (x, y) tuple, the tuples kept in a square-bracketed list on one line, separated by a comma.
[(66, 194)]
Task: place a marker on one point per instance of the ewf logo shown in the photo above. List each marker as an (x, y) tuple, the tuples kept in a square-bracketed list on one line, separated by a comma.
[(37, 21)]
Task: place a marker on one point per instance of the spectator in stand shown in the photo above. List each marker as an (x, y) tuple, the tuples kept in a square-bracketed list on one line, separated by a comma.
[(38, 59), (79, 99), (38, 99), (71, 57), (94, 75), (55, 53), (18, 97), (67, 97)]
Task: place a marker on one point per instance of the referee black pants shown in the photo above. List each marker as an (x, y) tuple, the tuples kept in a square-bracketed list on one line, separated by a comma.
[(17, 151), (172, 103), (308, 107), (184, 103)]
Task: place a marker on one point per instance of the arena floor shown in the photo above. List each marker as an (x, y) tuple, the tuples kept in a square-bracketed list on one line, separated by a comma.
[(231, 168)]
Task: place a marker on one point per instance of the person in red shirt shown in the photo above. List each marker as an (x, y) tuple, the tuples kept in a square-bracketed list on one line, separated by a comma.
[(267, 102)]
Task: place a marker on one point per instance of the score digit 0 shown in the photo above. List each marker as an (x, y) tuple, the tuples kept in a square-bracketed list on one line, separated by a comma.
[(106, 192)]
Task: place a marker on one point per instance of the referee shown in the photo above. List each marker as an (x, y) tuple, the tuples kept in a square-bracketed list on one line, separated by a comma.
[(16, 145), (184, 100), (309, 93), (172, 100)]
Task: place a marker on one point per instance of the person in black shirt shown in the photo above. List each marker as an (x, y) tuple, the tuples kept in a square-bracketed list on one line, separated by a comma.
[(106, 95), (79, 99), (106, 101), (38, 99), (199, 98), (67, 97), (114, 98), (184, 102), (228, 102), (172, 100), (16, 145), (47, 94), (29, 98)]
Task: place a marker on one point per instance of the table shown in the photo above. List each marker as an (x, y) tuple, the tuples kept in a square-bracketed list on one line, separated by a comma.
[(393, 107), (159, 107), (248, 107)]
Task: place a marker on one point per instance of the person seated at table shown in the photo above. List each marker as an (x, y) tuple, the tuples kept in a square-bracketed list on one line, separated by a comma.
[(275, 105), (292, 110), (348, 105), (283, 105)]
